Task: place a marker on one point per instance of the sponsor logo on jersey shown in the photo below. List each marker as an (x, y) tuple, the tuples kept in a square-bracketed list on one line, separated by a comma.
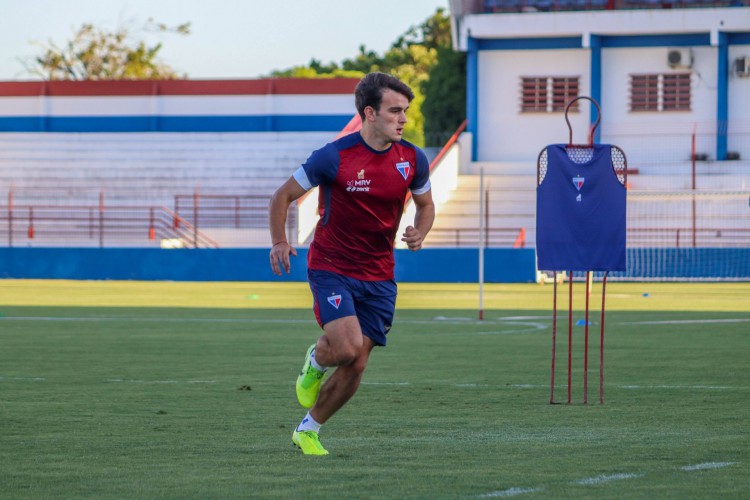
[(404, 168), (335, 300), (360, 184)]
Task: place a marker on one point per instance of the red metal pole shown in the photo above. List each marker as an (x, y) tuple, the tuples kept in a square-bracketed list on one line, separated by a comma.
[(601, 343), (570, 334), (586, 344), (554, 340)]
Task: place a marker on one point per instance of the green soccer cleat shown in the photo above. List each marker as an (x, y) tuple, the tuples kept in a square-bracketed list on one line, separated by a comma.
[(308, 442), (308, 382)]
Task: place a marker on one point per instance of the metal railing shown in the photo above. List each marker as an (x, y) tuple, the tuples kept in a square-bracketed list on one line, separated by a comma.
[(229, 211), (98, 225), (514, 237)]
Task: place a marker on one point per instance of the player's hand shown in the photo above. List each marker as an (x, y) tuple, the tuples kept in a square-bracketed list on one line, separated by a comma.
[(413, 238), (279, 255)]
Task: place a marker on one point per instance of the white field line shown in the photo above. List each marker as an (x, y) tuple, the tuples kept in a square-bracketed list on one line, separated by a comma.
[(637, 387), (688, 321), (154, 319), (707, 466), (518, 321), (510, 492), (385, 383), (688, 387), (132, 381), (607, 478), (25, 379)]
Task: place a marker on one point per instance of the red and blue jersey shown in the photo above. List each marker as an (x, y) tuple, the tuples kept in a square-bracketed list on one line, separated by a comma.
[(361, 200)]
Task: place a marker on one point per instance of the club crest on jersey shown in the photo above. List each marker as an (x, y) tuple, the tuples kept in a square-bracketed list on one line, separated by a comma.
[(578, 182), (404, 168), (335, 300)]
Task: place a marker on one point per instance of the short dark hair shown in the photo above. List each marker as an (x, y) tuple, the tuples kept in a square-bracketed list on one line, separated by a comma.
[(369, 91)]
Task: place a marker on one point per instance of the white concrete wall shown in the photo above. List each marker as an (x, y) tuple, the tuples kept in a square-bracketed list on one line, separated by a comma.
[(506, 134)]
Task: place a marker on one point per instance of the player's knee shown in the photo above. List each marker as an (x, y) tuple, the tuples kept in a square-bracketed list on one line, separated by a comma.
[(349, 353)]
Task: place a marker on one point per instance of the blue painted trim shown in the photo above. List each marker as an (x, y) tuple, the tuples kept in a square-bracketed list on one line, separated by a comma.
[(435, 265), (502, 265), (461, 265), (739, 38), (472, 91), (272, 123), (686, 263), (722, 98), (686, 40), (567, 42), (596, 84)]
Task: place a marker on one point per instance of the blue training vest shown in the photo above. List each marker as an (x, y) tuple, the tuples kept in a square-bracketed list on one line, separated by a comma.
[(580, 213)]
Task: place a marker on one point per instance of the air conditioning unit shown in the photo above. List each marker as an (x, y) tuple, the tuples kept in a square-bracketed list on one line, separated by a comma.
[(680, 58), (742, 66)]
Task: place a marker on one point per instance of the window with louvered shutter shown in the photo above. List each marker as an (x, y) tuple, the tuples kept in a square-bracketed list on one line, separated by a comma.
[(548, 94), (660, 92)]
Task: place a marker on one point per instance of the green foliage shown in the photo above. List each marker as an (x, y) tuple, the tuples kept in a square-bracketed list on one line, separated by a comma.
[(97, 54), (445, 90), (423, 59)]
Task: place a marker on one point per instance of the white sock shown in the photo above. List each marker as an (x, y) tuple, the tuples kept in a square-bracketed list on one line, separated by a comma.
[(308, 424), (315, 364)]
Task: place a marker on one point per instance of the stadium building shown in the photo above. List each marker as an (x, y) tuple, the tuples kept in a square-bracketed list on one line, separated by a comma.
[(93, 174)]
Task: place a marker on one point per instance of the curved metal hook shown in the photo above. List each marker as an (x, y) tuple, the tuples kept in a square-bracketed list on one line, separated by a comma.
[(596, 124)]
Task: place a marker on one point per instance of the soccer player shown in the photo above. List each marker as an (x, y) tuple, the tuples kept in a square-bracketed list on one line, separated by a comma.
[(364, 178)]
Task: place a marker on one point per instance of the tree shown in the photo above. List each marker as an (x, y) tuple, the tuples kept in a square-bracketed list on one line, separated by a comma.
[(423, 59), (97, 54), (444, 107)]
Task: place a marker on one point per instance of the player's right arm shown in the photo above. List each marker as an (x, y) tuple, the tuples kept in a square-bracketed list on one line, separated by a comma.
[(277, 210)]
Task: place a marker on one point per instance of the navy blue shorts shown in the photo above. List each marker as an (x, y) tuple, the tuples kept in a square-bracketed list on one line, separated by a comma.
[(372, 302)]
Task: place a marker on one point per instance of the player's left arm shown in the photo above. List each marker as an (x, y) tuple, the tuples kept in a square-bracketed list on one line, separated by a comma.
[(414, 235)]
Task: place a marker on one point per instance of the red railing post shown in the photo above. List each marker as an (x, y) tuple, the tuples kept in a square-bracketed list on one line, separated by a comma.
[(237, 212), (101, 219), (10, 218), (175, 217), (520, 239), (196, 197), (151, 230), (31, 223), (486, 241)]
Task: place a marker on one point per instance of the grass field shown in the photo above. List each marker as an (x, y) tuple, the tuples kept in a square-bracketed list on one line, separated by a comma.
[(186, 390)]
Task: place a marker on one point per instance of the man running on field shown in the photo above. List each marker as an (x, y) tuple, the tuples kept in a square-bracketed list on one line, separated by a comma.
[(364, 178)]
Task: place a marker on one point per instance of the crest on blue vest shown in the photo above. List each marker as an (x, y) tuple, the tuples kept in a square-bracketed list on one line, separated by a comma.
[(404, 168), (578, 182)]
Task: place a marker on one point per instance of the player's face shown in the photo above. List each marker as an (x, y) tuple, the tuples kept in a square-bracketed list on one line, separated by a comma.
[(389, 120)]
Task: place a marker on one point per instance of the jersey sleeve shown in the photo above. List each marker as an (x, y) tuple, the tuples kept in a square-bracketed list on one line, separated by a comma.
[(421, 182), (320, 168)]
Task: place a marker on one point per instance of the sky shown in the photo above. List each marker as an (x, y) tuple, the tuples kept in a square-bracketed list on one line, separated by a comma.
[(241, 39)]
